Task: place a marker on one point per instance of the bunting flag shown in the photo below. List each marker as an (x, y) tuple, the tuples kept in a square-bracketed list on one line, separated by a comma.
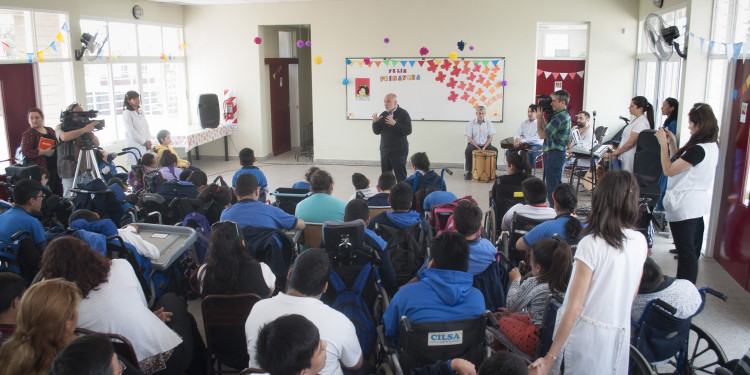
[(732, 51), (564, 75), (10, 50)]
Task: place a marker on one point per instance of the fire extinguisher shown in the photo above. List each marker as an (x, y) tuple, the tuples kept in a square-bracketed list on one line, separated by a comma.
[(228, 111)]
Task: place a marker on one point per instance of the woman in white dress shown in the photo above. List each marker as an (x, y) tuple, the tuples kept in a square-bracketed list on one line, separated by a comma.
[(691, 176), (644, 119), (137, 132), (593, 324)]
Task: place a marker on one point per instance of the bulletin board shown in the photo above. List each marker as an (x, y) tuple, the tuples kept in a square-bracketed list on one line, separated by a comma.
[(430, 89)]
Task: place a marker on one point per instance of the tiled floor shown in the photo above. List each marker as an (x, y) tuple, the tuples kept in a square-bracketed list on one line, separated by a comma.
[(728, 322)]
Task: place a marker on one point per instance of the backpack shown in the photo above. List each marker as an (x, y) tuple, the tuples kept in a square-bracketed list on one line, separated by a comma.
[(441, 216), (203, 230), (349, 302), (152, 181), (20, 256), (407, 249)]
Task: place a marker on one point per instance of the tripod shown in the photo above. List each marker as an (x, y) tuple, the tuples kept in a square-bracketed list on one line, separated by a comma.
[(86, 168)]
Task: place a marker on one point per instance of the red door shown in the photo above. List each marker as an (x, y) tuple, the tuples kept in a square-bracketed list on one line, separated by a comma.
[(563, 73), (18, 96), (732, 244), (281, 138)]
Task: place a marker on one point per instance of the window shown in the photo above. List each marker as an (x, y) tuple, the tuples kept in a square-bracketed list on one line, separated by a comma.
[(31, 31), (731, 24), (562, 41), (130, 63), (657, 80)]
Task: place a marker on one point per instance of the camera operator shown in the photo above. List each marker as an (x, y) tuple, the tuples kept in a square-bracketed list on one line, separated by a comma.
[(70, 147), (556, 134)]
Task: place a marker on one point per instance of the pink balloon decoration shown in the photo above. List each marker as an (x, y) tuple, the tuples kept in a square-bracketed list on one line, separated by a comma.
[(257, 40)]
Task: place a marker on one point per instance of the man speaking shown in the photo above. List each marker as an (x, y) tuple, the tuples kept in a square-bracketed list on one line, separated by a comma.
[(393, 125)]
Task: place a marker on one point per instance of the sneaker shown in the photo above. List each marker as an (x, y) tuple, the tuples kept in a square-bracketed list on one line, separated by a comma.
[(467, 176)]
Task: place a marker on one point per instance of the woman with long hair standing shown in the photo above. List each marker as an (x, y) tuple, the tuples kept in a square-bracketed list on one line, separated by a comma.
[(669, 109), (36, 147), (47, 318), (593, 330), (688, 195), (644, 119), (137, 131)]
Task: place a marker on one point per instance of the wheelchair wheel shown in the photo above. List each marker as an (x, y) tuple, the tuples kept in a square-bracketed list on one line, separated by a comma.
[(489, 226), (703, 356), (638, 363)]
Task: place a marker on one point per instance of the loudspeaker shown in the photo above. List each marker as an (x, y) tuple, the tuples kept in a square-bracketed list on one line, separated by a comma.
[(208, 110)]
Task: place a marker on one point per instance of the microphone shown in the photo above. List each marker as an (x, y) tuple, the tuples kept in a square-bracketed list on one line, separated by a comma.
[(594, 113)]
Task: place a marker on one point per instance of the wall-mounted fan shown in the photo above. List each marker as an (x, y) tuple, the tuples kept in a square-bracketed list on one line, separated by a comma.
[(661, 38), (92, 45)]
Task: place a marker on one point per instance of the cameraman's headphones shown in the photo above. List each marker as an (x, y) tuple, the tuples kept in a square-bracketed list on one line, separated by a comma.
[(70, 107)]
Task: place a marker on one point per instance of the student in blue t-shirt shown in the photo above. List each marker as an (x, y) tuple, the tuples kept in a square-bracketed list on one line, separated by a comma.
[(247, 159), (27, 197), (401, 215), (248, 211), (357, 209), (467, 218), (565, 224), (386, 181), (305, 184)]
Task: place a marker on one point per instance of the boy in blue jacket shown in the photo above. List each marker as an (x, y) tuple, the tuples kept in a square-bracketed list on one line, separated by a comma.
[(444, 292), (401, 216)]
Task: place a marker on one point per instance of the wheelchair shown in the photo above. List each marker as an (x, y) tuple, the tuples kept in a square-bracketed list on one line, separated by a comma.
[(546, 332), (20, 256), (354, 271), (511, 195), (288, 198), (676, 345), (424, 343), (520, 225)]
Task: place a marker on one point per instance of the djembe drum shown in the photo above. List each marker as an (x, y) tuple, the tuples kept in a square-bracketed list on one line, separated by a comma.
[(484, 165)]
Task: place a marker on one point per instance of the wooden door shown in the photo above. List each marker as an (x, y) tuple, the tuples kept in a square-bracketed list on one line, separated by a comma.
[(281, 138), (18, 96), (732, 244)]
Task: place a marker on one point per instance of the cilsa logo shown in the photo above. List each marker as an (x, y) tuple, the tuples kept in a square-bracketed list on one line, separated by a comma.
[(445, 338)]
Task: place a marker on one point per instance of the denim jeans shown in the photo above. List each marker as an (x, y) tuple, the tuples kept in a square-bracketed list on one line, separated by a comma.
[(554, 163)]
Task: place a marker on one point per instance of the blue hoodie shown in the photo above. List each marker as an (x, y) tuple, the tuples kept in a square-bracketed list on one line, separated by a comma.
[(95, 233), (426, 180), (400, 220), (441, 295)]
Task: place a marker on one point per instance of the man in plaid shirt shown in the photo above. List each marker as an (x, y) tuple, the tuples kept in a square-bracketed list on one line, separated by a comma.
[(556, 134)]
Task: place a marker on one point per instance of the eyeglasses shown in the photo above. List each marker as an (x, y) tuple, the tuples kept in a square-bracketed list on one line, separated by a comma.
[(122, 367), (236, 227), (41, 196)]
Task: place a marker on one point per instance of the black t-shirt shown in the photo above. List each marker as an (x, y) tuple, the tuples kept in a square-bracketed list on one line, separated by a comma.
[(694, 155)]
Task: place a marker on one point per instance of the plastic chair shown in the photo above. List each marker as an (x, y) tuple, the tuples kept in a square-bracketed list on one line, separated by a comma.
[(311, 236), (224, 319)]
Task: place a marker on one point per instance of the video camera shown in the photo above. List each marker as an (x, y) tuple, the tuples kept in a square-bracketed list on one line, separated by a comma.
[(74, 120), (545, 101)]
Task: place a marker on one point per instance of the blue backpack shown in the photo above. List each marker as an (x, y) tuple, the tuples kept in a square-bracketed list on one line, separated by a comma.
[(203, 230), (349, 302), (20, 256)]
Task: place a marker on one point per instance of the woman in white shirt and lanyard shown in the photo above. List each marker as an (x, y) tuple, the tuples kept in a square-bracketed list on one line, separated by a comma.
[(136, 127), (644, 119), (688, 195)]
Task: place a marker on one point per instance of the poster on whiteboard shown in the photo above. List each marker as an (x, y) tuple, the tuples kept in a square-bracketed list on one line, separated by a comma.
[(430, 89)]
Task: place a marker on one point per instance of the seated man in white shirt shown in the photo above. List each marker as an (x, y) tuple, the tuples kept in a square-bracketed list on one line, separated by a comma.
[(535, 194), (307, 281), (527, 136), (478, 132), (582, 135)]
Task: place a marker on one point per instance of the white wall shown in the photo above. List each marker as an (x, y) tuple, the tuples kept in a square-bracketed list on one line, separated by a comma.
[(222, 53)]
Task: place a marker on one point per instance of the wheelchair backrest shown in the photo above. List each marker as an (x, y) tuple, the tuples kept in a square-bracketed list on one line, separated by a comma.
[(660, 335), (547, 329), (288, 198), (20, 256), (423, 343), (519, 226)]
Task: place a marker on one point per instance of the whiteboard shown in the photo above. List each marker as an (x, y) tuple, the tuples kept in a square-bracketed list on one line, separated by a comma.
[(430, 89)]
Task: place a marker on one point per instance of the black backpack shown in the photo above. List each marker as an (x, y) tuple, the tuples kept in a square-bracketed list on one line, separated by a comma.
[(406, 247)]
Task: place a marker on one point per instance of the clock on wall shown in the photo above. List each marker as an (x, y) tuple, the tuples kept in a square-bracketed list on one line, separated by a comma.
[(658, 3), (138, 11)]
